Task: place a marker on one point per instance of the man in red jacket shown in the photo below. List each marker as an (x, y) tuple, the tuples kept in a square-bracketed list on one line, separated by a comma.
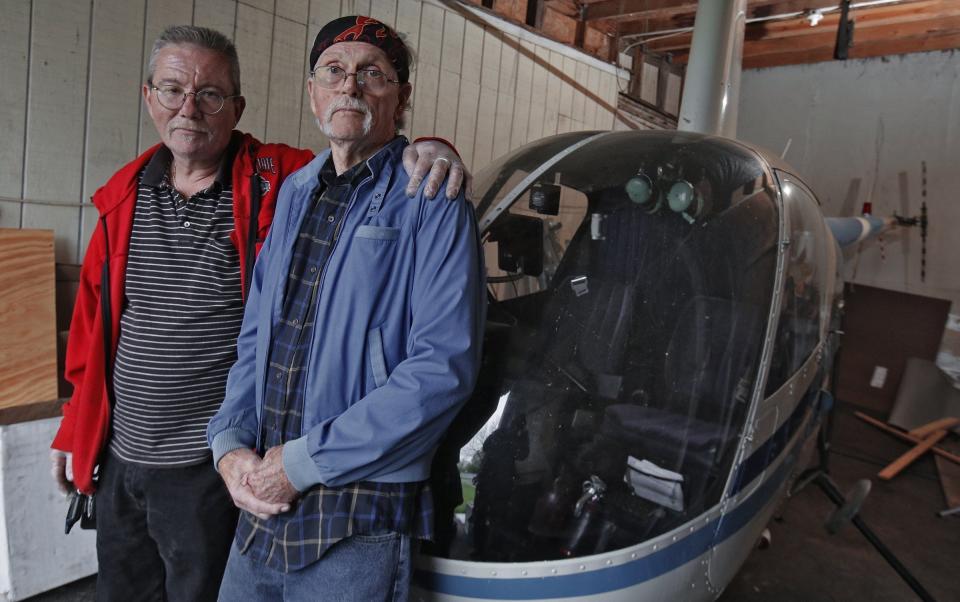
[(156, 319)]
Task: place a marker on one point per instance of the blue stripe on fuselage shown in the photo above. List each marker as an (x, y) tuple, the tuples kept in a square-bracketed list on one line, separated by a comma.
[(655, 564)]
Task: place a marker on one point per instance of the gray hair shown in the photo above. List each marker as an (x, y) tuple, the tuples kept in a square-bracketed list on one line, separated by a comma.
[(204, 37)]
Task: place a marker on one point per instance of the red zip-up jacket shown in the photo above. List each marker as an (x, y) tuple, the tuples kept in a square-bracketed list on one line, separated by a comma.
[(96, 318)]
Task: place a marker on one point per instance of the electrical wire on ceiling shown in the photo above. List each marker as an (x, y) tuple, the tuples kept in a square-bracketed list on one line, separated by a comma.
[(813, 16)]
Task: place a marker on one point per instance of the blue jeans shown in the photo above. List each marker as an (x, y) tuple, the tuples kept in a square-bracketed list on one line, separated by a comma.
[(361, 568)]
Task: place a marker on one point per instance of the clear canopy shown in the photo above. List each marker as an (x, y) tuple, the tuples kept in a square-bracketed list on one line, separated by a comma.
[(631, 277)]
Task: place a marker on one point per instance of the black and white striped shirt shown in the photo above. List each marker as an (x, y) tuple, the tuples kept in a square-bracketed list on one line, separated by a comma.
[(180, 322)]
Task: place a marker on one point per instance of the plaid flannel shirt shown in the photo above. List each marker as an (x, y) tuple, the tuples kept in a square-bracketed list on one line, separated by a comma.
[(323, 515)]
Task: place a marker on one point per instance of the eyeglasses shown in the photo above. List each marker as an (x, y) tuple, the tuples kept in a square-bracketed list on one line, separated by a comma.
[(173, 97), (331, 77)]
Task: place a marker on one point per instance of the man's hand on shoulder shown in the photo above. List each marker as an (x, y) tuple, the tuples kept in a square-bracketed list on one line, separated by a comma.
[(437, 158), (236, 468), (269, 481)]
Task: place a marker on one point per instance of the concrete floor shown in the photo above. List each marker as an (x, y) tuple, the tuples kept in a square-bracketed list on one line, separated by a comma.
[(804, 563)]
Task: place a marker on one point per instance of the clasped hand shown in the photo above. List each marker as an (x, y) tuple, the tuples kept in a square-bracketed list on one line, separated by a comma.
[(259, 486)]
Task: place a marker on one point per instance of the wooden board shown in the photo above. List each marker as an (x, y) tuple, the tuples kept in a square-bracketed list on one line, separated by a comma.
[(884, 328), (950, 473), (15, 48), (28, 356)]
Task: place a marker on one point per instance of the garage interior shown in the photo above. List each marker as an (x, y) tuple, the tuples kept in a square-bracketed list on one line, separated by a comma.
[(862, 98)]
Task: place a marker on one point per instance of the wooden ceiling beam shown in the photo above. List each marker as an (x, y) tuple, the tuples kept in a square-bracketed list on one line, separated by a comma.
[(861, 35), (637, 9), (771, 31), (938, 41)]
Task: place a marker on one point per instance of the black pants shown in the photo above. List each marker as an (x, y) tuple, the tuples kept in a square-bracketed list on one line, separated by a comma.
[(163, 534)]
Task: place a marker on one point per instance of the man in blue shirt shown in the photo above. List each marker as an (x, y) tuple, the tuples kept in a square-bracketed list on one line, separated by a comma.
[(360, 342)]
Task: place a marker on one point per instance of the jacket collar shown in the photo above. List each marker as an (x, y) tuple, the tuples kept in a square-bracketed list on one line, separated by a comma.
[(388, 153)]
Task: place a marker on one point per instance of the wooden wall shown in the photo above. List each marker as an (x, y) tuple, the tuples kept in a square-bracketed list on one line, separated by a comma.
[(71, 112)]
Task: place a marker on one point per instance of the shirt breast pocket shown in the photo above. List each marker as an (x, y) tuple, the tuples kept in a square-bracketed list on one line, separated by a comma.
[(378, 233)]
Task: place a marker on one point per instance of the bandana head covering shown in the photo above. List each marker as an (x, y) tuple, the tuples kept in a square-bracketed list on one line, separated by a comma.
[(364, 29)]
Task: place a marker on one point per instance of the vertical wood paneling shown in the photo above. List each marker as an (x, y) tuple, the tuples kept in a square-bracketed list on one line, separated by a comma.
[(356, 7), (590, 108), (216, 14), (63, 220), (114, 104), (254, 45), (60, 47), (160, 15), (538, 94), (506, 95), (321, 13), (294, 10), (287, 80), (385, 10), (471, 68), (579, 98), (451, 60), (428, 76), (9, 214), (521, 108), (408, 25), (264, 5), (487, 110), (554, 83), (565, 110), (14, 52)]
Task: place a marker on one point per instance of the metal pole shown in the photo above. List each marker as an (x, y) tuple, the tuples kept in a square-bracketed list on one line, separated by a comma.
[(712, 91)]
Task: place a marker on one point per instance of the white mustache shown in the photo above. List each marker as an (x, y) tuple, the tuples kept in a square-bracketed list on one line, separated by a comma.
[(186, 125), (350, 103)]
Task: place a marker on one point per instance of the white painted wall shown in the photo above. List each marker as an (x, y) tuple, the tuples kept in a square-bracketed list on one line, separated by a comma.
[(71, 113), (876, 121)]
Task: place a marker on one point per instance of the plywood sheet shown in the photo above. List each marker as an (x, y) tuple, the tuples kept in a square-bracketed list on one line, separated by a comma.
[(883, 328), (28, 356), (14, 48)]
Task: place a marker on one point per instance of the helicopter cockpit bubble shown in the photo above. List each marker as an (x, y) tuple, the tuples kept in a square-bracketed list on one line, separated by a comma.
[(617, 371)]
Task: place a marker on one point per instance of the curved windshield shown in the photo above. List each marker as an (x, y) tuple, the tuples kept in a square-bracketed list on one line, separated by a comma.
[(630, 285)]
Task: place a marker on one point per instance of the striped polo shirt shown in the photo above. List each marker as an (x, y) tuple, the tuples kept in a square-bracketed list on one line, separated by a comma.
[(182, 314)]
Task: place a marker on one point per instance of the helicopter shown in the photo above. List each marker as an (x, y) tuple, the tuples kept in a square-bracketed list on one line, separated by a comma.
[(663, 319), (659, 339)]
